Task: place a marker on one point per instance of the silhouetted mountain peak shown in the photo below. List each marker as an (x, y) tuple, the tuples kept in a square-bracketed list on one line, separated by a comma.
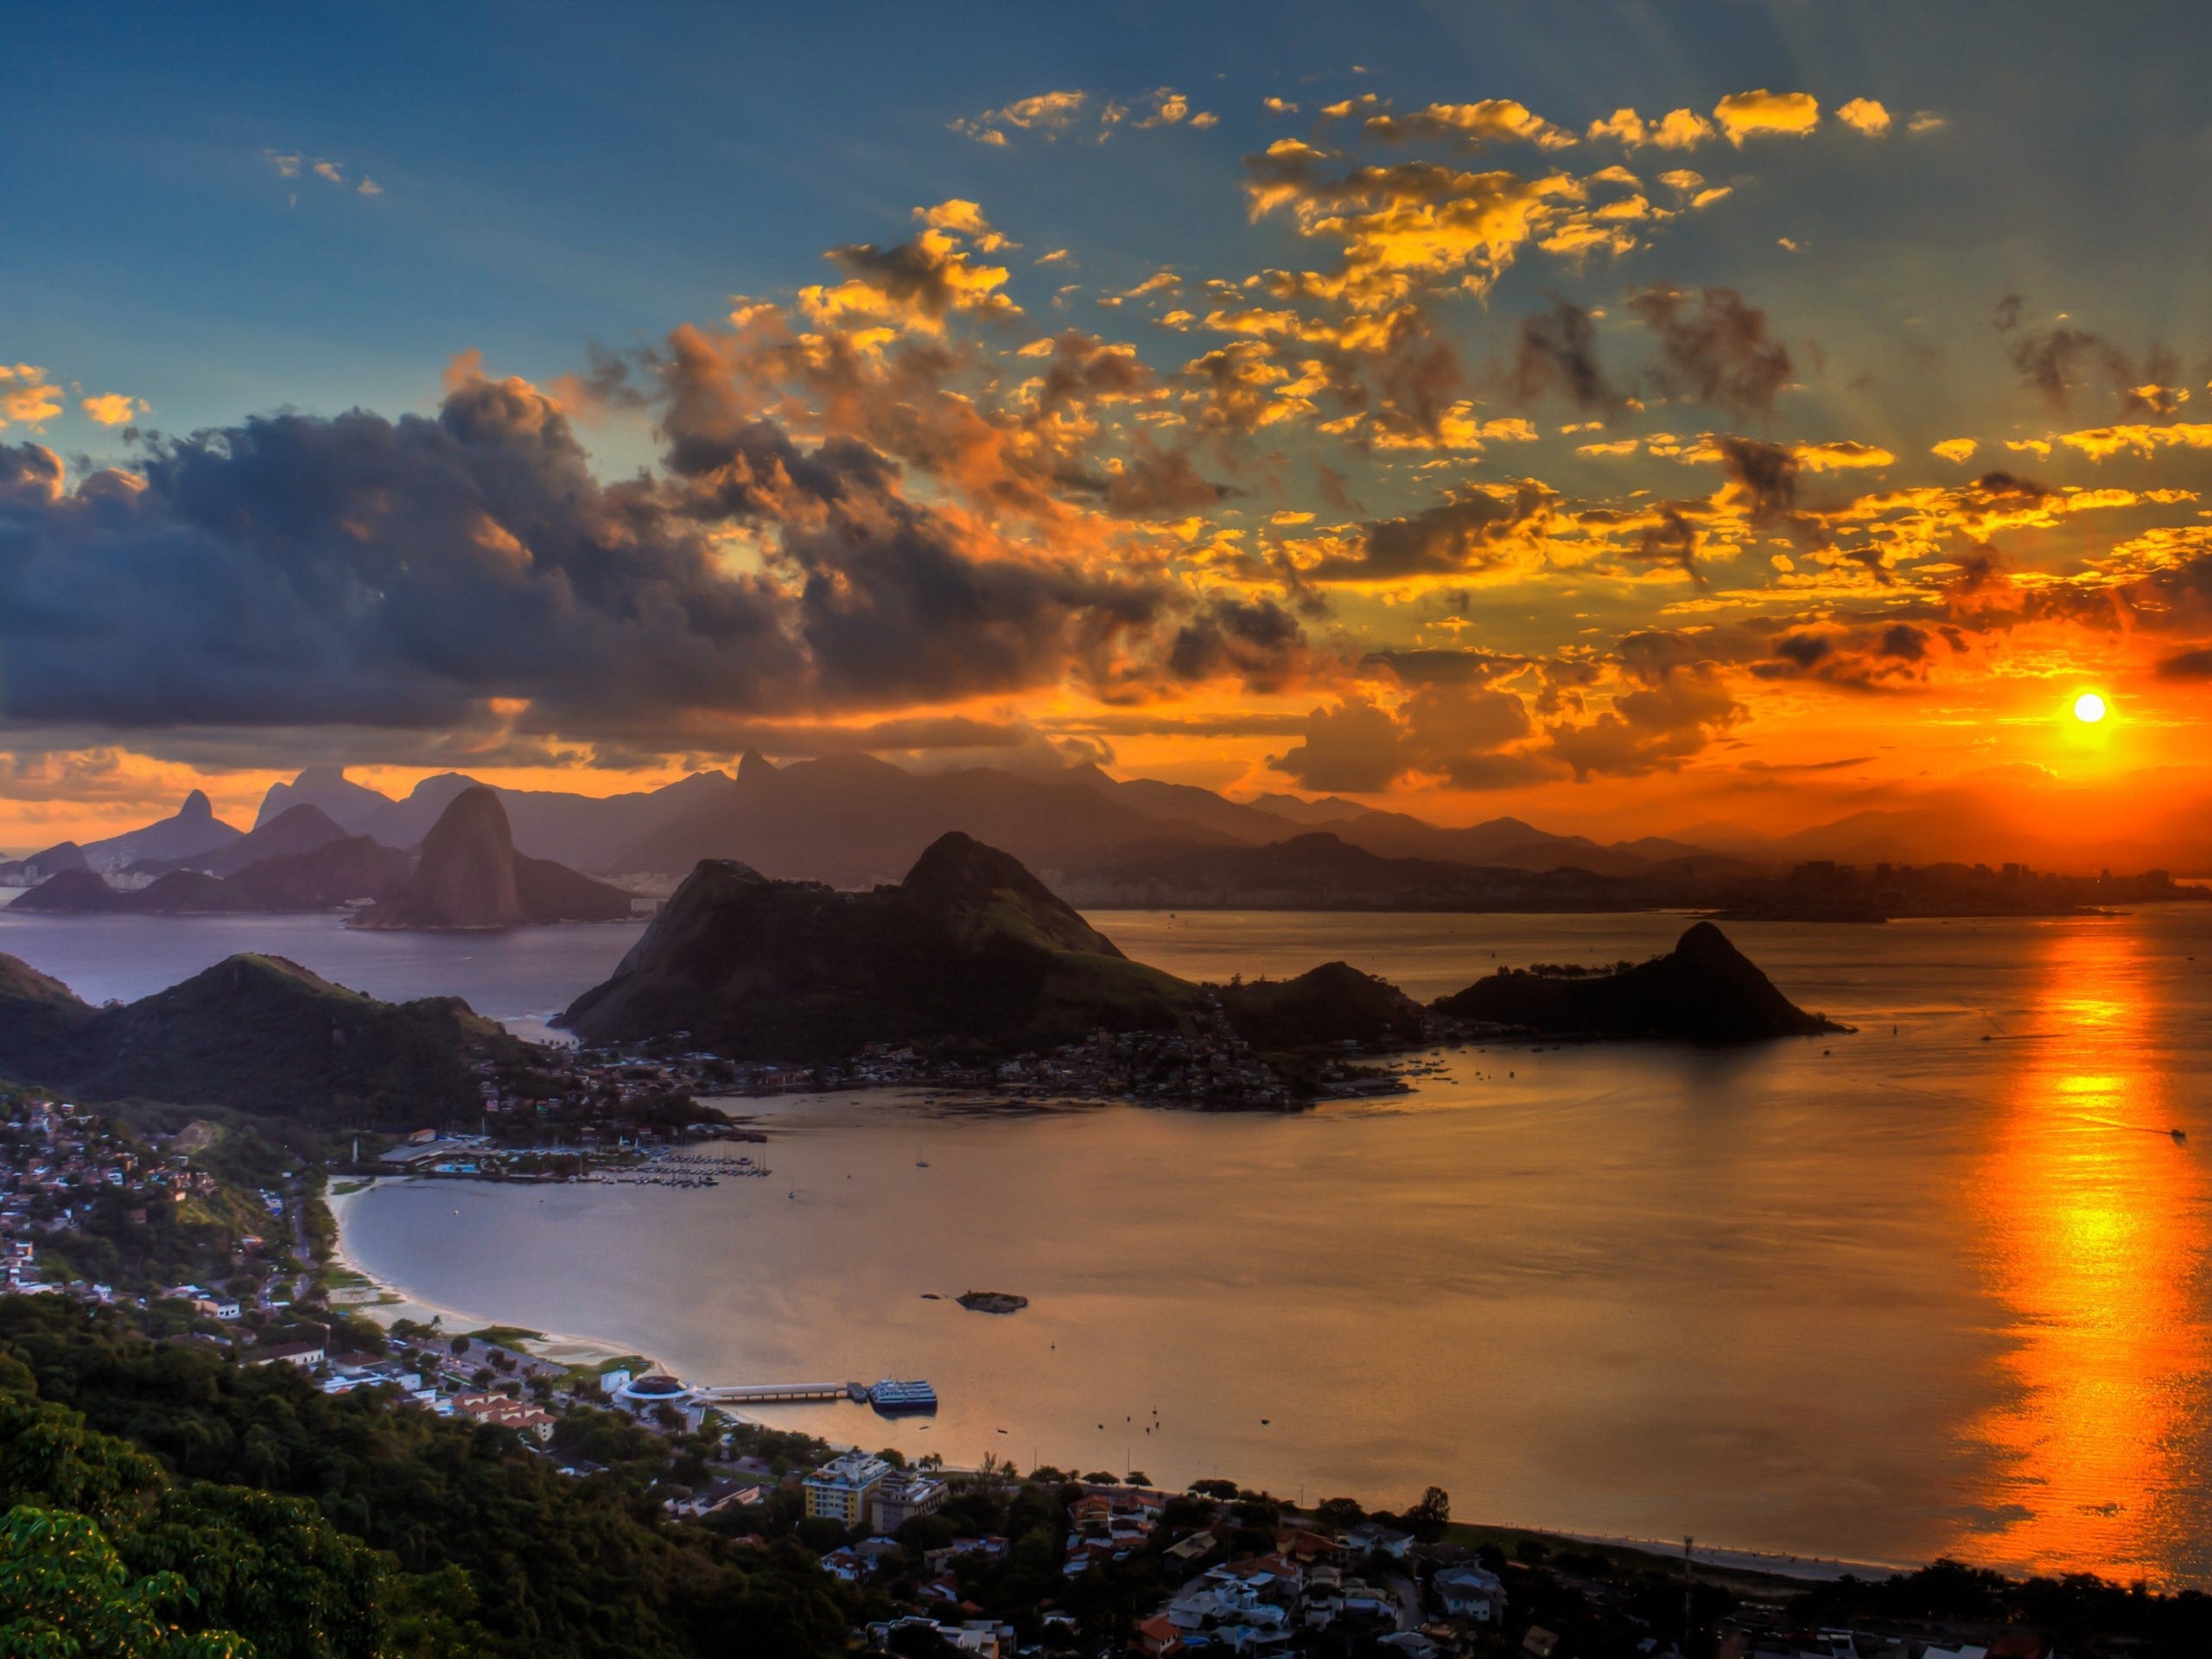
[(470, 876), (970, 948), (974, 889), (197, 808), (1704, 989)]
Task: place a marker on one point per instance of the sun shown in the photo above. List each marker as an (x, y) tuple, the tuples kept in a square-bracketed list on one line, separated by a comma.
[(2089, 707)]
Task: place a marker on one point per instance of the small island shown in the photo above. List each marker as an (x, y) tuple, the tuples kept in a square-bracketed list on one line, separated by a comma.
[(991, 1302)]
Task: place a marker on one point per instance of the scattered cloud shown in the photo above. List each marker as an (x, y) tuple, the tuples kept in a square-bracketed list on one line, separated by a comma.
[(113, 409), (1045, 115), (1718, 351), (1865, 115), (26, 395), (1746, 115)]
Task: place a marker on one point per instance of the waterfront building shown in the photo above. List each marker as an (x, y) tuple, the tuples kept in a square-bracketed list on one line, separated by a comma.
[(839, 1490), (900, 1494)]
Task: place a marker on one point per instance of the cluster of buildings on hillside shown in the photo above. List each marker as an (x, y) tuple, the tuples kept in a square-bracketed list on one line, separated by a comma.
[(1414, 1600), (1210, 1067), (56, 1163)]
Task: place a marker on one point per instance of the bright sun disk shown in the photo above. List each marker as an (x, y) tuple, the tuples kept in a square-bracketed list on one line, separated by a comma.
[(2089, 707)]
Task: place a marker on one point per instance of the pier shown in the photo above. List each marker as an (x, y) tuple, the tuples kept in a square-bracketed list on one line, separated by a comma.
[(779, 1393)]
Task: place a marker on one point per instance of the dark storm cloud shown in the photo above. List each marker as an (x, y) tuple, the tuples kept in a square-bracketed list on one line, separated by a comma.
[(1257, 641), (1441, 666), (1160, 484), (1717, 351), (1557, 350), (362, 572), (2058, 364), (893, 601), (1864, 657), (1469, 532), (2195, 664), (300, 570), (1675, 702)]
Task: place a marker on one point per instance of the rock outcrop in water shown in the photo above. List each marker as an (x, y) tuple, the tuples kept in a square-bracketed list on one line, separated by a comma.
[(470, 876), (970, 948), (1704, 990)]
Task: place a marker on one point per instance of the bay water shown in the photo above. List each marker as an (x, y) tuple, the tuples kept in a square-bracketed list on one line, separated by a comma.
[(1938, 1287)]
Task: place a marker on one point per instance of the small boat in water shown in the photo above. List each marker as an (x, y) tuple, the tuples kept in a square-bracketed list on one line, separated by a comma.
[(902, 1399)]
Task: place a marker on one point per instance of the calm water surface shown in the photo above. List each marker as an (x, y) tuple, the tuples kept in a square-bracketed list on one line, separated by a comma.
[(1941, 1285)]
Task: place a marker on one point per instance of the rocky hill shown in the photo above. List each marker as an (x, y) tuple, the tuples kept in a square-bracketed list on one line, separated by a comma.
[(258, 1034), (470, 876), (194, 829), (970, 948), (1333, 1004), (302, 829), (51, 860), (1704, 990)]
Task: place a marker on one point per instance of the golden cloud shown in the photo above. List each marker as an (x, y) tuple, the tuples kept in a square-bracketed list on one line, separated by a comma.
[(965, 219), (1048, 114), (1839, 456), (1865, 115), (112, 408), (1742, 115), (1676, 130), (912, 286), (26, 394), (2098, 442), (1954, 450), (1493, 119)]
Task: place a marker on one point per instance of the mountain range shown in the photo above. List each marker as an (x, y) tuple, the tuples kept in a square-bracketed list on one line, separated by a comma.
[(467, 874), (852, 820), (971, 951)]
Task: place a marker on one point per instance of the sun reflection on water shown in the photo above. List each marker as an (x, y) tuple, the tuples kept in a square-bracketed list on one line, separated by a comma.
[(2093, 1218)]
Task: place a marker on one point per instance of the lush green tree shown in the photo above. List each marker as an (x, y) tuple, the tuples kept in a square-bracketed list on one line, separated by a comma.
[(272, 1568), (64, 1593)]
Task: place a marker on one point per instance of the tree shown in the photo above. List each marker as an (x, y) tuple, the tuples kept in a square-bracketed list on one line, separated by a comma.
[(270, 1567), (65, 1592), (1427, 1519), (1339, 1514)]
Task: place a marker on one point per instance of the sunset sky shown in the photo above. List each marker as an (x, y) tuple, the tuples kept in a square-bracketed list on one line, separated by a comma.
[(1634, 418)]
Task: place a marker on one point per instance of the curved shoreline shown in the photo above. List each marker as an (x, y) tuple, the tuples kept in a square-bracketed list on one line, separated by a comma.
[(560, 1347)]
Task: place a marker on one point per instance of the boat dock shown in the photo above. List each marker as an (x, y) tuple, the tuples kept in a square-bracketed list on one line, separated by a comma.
[(761, 1394)]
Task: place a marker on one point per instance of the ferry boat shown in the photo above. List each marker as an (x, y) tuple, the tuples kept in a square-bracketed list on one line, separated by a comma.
[(901, 1399)]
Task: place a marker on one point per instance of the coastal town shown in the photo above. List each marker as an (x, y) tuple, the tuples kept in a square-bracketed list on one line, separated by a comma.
[(659, 1093), (923, 1560)]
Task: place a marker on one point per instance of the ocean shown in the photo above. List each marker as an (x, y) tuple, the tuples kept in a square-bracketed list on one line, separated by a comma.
[(1939, 1287)]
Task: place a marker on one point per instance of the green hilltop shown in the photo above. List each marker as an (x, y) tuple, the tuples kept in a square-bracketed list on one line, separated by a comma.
[(255, 1034)]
